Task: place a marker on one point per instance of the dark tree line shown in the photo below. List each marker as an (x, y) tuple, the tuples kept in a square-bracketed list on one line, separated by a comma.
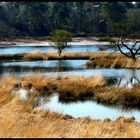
[(80, 18)]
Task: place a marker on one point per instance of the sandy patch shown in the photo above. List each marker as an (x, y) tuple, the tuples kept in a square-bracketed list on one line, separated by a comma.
[(76, 41), (33, 42)]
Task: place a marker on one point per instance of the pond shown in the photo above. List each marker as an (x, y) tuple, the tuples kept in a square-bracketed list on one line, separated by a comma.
[(43, 49), (78, 109), (85, 109), (23, 68), (63, 68)]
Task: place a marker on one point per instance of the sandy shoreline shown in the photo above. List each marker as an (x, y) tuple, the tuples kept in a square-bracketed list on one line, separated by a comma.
[(32, 42), (75, 41)]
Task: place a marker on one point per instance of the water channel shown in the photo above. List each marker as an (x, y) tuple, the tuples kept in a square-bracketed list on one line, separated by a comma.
[(43, 49), (85, 109), (63, 68)]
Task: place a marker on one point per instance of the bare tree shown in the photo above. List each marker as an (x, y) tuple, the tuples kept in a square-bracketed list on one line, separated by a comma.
[(132, 50)]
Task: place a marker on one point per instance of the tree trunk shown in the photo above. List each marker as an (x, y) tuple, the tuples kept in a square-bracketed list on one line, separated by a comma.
[(59, 52)]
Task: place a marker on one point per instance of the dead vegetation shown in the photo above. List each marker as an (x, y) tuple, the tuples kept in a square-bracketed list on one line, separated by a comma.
[(17, 122), (35, 55), (6, 86), (77, 88), (19, 119), (97, 60), (113, 61), (124, 97)]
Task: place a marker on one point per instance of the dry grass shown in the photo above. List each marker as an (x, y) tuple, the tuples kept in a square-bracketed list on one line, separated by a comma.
[(76, 88), (82, 55), (127, 98), (80, 88), (113, 61), (73, 88), (16, 122), (125, 63), (101, 60), (19, 119), (39, 82), (6, 86), (53, 56), (69, 55), (35, 55)]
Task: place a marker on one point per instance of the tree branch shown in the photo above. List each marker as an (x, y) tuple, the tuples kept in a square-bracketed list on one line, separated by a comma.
[(118, 45), (126, 46), (135, 44)]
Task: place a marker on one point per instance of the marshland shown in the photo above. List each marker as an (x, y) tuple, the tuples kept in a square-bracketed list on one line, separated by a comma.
[(71, 77)]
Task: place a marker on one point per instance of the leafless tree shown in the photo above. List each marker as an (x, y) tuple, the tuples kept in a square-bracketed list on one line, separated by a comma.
[(132, 50)]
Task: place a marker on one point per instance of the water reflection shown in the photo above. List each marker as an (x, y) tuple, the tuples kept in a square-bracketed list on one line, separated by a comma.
[(77, 48), (23, 68), (63, 68), (114, 77), (129, 81), (76, 109), (86, 109), (124, 81)]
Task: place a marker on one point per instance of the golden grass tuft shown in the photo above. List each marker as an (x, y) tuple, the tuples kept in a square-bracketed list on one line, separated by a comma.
[(98, 59), (113, 61), (6, 86), (73, 88), (80, 88), (77, 88), (39, 82), (119, 96), (35, 55)]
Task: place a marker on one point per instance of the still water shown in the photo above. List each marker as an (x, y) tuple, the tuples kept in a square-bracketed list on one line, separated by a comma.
[(85, 109), (79, 109), (62, 68), (123, 77), (43, 49)]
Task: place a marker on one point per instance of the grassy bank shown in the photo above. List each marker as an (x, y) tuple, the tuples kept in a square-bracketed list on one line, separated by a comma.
[(113, 61), (81, 88), (123, 97), (97, 60), (36, 55), (19, 119), (16, 121)]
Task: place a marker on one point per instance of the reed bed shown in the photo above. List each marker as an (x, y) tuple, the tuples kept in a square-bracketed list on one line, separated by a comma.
[(35, 55), (75, 88), (97, 60), (18, 118), (113, 61), (16, 122), (127, 98)]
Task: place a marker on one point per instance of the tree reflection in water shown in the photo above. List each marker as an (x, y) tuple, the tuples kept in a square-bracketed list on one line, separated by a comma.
[(124, 81), (54, 66), (121, 78), (129, 81)]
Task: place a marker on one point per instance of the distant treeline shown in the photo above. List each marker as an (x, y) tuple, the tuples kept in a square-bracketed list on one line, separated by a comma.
[(38, 19)]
